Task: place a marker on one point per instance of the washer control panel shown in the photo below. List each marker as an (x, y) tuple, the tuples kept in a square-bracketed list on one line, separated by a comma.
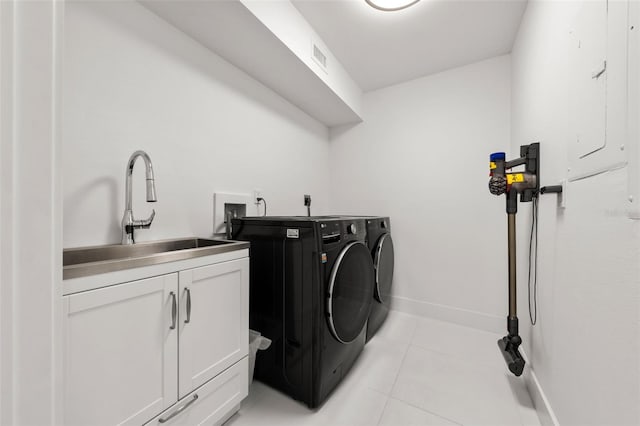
[(331, 232), (337, 230)]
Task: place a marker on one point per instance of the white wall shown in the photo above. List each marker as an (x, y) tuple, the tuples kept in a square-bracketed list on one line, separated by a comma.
[(584, 350), (286, 22), (421, 156), (132, 81), (30, 212)]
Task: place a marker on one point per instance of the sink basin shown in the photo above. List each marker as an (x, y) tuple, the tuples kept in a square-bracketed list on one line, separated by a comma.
[(84, 261), (76, 256)]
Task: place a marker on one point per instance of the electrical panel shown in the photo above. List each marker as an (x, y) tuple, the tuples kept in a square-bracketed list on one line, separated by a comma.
[(633, 121), (597, 79), (588, 76)]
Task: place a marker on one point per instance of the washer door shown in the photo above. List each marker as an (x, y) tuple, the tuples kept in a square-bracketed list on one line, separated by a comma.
[(383, 264), (350, 292)]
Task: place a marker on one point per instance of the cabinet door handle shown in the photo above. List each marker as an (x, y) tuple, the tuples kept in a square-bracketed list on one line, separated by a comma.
[(174, 311), (188, 320), (179, 410)]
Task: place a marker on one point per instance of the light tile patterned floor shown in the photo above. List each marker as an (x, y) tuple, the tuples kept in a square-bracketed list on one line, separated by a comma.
[(415, 371)]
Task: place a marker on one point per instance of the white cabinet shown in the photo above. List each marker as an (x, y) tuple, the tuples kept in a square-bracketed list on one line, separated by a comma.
[(212, 403), (214, 326), (120, 353), (143, 349)]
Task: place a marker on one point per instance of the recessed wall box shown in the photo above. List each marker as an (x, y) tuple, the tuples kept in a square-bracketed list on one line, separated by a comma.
[(237, 204)]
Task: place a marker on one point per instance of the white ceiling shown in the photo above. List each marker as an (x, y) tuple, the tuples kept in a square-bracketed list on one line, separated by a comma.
[(380, 49)]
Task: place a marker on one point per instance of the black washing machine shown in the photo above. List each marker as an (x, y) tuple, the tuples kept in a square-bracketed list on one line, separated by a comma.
[(381, 247), (311, 294)]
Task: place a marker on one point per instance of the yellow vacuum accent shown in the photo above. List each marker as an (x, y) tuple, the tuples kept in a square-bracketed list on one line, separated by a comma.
[(515, 178)]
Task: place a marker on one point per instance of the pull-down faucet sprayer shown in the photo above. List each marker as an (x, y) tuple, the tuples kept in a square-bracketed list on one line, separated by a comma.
[(128, 222)]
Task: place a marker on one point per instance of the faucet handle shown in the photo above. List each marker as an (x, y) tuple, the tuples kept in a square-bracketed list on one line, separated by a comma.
[(146, 223)]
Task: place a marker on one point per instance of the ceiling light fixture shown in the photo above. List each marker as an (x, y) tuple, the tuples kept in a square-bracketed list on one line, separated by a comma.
[(391, 5)]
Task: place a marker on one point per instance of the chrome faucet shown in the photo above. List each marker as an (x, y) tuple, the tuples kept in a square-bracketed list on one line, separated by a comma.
[(128, 222)]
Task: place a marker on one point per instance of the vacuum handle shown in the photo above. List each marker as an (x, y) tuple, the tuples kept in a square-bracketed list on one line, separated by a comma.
[(511, 249), (509, 344)]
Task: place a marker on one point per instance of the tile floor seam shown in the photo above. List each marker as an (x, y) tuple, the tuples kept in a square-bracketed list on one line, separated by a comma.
[(395, 381), (424, 410), (437, 320), (415, 330), (451, 394), (435, 351), (353, 370), (434, 389), (386, 404)]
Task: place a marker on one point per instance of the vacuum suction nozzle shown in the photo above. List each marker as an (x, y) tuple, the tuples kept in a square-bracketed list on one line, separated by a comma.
[(509, 348)]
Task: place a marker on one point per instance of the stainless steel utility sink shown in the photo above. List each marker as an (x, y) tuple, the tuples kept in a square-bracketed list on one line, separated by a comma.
[(84, 261)]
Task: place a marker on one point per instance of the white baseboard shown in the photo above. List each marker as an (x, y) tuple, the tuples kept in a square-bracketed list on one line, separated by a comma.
[(458, 316), (540, 401)]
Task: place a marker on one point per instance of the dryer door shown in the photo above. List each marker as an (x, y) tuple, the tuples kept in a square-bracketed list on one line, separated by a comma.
[(383, 263), (350, 292)]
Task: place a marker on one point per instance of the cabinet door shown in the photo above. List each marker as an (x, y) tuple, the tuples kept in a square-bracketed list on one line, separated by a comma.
[(214, 321), (120, 353), (212, 403)]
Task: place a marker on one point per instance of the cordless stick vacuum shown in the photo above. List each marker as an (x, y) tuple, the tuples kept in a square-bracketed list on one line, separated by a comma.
[(527, 185)]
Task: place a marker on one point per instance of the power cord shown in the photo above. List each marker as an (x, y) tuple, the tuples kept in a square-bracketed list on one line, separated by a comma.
[(533, 264), (260, 199)]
